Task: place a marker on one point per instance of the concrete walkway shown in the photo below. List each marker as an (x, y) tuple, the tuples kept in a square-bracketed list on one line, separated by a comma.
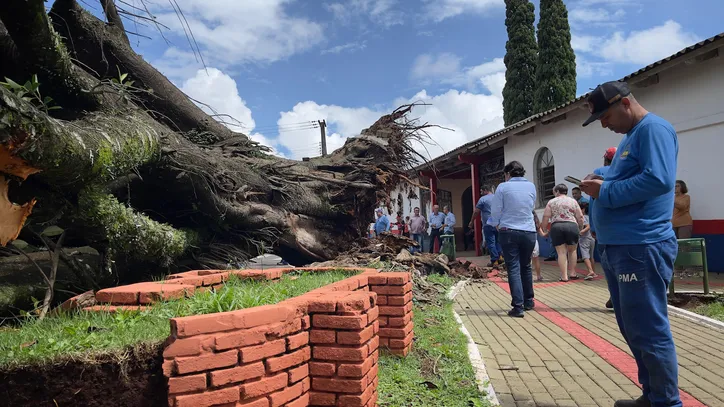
[(569, 351)]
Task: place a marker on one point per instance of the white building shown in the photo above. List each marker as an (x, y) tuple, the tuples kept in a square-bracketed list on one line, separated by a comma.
[(687, 89)]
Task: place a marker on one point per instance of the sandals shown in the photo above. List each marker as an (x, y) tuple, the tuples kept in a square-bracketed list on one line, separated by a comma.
[(539, 279), (576, 277), (562, 280), (590, 276)]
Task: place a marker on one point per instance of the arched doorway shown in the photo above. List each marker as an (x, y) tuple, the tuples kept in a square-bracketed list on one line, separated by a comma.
[(467, 206)]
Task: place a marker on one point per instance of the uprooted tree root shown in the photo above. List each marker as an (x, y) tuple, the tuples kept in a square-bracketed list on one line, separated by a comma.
[(132, 377)]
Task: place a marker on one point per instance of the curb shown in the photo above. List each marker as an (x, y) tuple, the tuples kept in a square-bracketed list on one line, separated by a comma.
[(696, 318), (481, 375)]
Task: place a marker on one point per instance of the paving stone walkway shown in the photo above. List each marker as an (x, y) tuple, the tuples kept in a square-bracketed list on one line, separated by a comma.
[(569, 351)]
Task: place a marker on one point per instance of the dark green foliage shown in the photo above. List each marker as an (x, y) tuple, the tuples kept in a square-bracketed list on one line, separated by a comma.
[(520, 61), (556, 74)]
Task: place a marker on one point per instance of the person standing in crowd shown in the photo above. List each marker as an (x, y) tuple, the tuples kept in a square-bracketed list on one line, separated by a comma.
[(587, 245), (633, 225), (536, 250), (578, 196), (681, 220), (600, 173), (490, 233), (436, 220), (512, 213), (417, 228), (448, 226), (566, 218), (382, 224)]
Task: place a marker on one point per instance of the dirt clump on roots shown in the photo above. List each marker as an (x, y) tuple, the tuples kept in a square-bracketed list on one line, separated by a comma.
[(133, 379)]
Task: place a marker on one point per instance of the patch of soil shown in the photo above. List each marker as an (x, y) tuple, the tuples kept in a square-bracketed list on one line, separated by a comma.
[(136, 380), (691, 301)]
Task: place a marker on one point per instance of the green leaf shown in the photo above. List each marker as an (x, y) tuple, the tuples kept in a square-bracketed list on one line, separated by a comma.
[(52, 231), (13, 84), (124, 76), (20, 244), (47, 99)]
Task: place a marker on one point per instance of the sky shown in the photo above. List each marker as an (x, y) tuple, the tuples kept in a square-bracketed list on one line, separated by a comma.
[(276, 66)]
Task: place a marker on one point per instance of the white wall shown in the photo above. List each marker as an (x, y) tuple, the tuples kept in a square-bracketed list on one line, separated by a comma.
[(691, 97)]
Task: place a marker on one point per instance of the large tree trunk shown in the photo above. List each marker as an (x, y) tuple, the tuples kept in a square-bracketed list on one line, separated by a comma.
[(153, 182)]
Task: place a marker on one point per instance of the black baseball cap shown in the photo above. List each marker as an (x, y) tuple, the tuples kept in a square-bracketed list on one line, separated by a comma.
[(605, 96)]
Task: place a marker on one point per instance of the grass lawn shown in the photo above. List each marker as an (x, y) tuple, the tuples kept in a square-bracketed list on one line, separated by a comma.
[(83, 334), (438, 371), (714, 310)]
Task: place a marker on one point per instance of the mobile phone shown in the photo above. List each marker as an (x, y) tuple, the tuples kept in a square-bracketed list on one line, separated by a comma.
[(573, 180)]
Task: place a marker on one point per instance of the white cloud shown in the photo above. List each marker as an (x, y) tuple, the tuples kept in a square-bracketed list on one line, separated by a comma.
[(439, 10), (647, 46), (584, 43), (348, 47), (470, 115), (231, 32), (595, 16), (445, 68), (586, 68), (218, 95), (380, 12)]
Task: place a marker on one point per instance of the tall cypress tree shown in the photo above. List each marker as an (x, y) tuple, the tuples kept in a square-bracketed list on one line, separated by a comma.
[(520, 61), (556, 72)]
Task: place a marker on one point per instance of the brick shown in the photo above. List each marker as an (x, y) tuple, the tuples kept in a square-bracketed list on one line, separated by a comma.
[(373, 400), (339, 321), (379, 279), (373, 344), (399, 322), (298, 340), (356, 400), (372, 375), (340, 354), (399, 311), (391, 289), (322, 369), (283, 329), (399, 300), (319, 336), (259, 352), (260, 402), (376, 327), (373, 314), (302, 401), (397, 332), (401, 343), (274, 365), (188, 346), (381, 300), (317, 398), (169, 367), (338, 385), (227, 321), (399, 278), (356, 369), (264, 386), (298, 373), (237, 374), (290, 393), (209, 398), (148, 293), (354, 302), (383, 321), (355, 338), (206, 362), (240, 339), (326, 303), (126, 294), (186, 384), (263, 315), (306, 322)]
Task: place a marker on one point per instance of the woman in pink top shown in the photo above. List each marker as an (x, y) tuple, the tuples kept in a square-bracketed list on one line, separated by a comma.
[(566, 218)]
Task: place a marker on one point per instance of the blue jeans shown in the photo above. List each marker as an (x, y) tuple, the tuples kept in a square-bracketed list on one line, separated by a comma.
[(638, 277), (418, 238), (492, 242), (517, 250)]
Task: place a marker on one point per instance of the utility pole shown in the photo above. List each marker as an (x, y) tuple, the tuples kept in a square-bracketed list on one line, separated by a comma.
[(323, 128)]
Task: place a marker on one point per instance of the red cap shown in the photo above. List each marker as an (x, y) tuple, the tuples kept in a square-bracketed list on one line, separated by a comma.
[(610, 153)]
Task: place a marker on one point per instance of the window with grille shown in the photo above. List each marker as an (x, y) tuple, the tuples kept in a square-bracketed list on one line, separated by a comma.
[(546, 175), (444, 198)]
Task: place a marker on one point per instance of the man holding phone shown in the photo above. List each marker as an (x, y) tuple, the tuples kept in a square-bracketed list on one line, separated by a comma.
[(632, 214)]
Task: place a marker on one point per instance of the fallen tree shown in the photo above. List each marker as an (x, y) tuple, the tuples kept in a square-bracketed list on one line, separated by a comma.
[(95, 140)]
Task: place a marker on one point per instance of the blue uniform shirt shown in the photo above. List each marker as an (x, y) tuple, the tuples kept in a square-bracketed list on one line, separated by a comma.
[(436, 221), (382, 224), (513, 205), (484, 204), (602, 172), (637, 197), (450, 222)]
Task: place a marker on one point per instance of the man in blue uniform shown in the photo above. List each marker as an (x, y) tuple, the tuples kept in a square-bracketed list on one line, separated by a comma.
[(632, 216), (490, 233), (382, 224)]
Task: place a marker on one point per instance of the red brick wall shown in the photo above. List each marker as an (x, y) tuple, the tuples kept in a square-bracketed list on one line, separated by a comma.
[(319, 349)]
